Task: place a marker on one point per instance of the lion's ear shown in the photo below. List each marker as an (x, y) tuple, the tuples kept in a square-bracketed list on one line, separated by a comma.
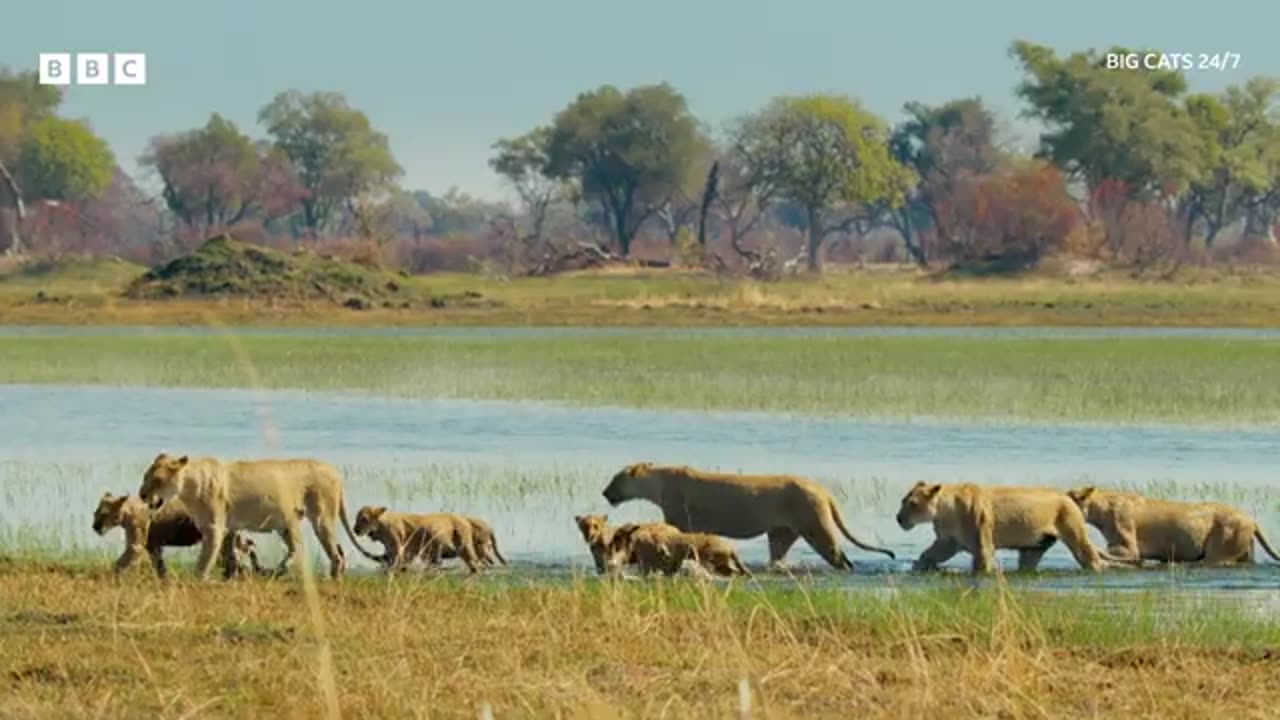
[(161, 457), (932, 490), (182, 461), (378, 510), (1084, 492)]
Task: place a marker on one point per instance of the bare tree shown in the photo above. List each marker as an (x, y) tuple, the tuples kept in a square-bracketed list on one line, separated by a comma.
[(20, 212)]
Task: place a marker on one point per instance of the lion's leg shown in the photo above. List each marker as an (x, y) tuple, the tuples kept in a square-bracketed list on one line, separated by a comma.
[(942, 550), (467, 553), (328, 537), (1073, 535), (157, 561), (230, 561), (127, 558), (210, 545), (780, 541), (1222, 547), (291, 534), (823, 542)]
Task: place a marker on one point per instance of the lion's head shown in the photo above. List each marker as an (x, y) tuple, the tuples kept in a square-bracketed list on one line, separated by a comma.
[(623, 486), (163, 480), (592, 527), (1087, 499), (367, 518), (109, 513), (919, 505)]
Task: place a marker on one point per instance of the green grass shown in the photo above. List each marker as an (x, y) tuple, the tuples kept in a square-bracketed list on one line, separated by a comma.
[(1177, 380), (91, 292)]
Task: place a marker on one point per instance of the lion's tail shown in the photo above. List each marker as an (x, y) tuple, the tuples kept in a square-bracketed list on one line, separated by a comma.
[(835, 514), (493, 544), (342, 514), (1257, 533)]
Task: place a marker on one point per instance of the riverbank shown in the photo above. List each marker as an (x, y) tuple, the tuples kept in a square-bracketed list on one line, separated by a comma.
[(92, 294), (77, 643)]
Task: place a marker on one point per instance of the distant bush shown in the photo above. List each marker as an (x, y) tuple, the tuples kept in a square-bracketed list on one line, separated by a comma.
[(1008, 219)]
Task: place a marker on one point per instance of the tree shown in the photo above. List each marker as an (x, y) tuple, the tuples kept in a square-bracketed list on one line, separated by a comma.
[(1108, 124), (64, 160), (23, 102), (335, 150), (1009, 218), (1242, 130), (216, 176), (941, 145), (628, 152), (826, 154), (522, 162)]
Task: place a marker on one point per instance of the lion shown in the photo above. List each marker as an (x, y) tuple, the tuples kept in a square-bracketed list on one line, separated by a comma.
[(486, 542), (411, 536), (1143, 528), (784, 507), (257, 496), (978, 520), (599, 538), (151, 533), (658, 550)]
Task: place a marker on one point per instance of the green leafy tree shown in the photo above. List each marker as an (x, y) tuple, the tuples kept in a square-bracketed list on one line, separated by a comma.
[(824, 153), (1107, 124), (64, 160), (338, 155), (522, 162), (23, 102), (1242, 130), (627, 151)]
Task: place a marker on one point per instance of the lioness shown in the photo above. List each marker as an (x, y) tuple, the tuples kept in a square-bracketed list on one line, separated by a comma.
[(978, 520), (254, 495), (741, 506), (410, 536), (1145, 528), (150, 533), (656, 550), (486, 542), (599, 538)]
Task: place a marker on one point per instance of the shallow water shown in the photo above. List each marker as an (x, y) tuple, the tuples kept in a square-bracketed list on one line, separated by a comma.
[(528, 468)]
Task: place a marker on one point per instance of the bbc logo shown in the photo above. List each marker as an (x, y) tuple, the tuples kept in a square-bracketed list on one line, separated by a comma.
[(92, 68)]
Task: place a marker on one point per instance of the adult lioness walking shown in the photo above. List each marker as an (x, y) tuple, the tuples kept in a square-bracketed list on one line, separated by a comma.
[(977, 519), (254, 495), (785, 507), (1136, 526)]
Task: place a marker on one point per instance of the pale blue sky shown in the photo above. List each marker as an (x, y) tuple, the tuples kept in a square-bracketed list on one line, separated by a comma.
[(444, 80)]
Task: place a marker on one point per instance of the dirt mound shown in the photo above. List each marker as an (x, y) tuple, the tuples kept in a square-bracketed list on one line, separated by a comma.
[(225, 267)]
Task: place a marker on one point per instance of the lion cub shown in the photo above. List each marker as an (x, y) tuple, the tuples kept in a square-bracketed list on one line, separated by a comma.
[(666, 552), (411, 536), (599, 538), (145, 531)]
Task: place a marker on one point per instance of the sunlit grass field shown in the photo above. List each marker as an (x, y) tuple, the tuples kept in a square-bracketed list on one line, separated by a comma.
[(78, 644), (1153, 379)]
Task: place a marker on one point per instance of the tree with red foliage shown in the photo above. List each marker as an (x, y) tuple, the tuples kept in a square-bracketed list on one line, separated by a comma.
[(1012, 217), (215, 177)]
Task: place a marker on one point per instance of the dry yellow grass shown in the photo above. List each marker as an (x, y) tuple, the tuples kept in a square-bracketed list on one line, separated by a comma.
[(74, 643)]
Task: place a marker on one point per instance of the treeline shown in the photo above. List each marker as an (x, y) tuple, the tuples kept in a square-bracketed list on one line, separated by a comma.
[(1132, 169)]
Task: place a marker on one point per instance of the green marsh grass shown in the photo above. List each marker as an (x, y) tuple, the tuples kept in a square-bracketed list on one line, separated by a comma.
[(1170, 380)]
